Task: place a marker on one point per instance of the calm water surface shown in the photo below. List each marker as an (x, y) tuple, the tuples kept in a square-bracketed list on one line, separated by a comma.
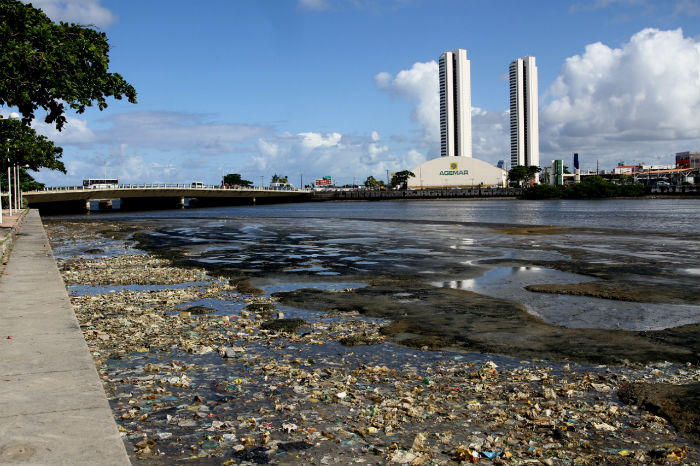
[(673, 215), (449, 244)]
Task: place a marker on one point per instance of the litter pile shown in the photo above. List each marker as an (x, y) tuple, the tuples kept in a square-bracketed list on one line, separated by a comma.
[(238, 382)]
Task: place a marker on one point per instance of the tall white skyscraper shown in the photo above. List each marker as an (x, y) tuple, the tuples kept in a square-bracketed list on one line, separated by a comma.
[(524, 119), (455, 104)]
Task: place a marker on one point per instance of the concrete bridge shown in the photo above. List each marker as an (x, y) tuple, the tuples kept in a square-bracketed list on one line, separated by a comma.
[(156, 196), (165, 196)]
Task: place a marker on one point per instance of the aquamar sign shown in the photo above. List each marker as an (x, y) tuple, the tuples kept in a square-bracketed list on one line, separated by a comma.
[(453, 170)]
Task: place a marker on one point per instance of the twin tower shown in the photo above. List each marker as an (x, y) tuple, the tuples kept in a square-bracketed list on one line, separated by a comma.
[(456, 106)]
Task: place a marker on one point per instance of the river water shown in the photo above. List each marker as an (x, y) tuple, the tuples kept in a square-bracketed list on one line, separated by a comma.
[(455, 271), (673, 215), (484, 246)]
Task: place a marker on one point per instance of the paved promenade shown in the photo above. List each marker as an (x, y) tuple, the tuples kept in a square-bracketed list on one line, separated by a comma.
[(53, 409)]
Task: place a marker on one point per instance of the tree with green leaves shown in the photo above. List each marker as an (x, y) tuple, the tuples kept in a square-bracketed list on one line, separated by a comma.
[(624, 179), (400, 179), (371, 182), (233, 179), (48, 66), (26, 181), (279, 179), (590, 187), (21, 145), (521, 174)]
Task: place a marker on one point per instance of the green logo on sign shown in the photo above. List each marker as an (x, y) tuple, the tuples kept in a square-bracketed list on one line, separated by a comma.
[(453, 166), (453, 172)]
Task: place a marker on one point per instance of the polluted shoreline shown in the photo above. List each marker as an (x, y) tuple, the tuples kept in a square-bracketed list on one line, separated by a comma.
[(212, 368)]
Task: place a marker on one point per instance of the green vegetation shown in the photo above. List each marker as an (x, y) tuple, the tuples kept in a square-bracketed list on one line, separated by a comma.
[(48, 66), (51, 65), (370, 182), (279, 179), (26, 148), (590, 187), (26, 181), (233, 179), (521, 174), (400, 179)]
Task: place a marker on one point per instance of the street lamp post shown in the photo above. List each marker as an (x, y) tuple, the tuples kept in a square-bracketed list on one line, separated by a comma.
[(9, 186), (18, 199), (19, 186), (13, 116)]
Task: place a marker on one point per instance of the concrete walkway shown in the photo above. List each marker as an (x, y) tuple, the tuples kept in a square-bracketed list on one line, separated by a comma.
[(9, 227), (53, 409)]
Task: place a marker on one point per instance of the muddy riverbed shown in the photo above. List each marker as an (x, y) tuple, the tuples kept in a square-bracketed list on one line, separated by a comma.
[(239, 341)]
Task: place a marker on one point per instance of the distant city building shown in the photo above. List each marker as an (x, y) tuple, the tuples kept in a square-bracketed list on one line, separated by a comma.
[(456, 168), (687, 159), (623, 169), (524, 119), (455, 104), (556, 173), (457, 172)]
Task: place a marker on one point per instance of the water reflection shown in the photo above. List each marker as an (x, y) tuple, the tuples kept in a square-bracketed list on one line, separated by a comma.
[(499, 275), (573, 311)]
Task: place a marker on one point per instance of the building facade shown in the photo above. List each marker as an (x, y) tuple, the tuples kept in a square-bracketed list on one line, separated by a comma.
[(556, 173), (687, 159), (455, 104), (524, 116), (457, 172)]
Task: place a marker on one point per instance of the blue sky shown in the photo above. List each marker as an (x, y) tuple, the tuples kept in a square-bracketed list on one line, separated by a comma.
[(349, 88)]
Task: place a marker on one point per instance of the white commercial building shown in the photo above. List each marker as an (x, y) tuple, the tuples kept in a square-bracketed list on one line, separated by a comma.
[(455, 104), (456, 172), (456, 168), (524, 119)]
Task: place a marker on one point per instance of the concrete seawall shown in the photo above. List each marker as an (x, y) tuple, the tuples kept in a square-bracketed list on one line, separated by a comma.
[(53, 409)]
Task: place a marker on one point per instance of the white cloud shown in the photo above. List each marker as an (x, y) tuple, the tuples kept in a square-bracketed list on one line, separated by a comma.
[(490, 130), (149, 147), (84, 12), (644, 94), (165, 131), (119, 163), (421, 83), (383, 79), (75, 132), (345, 158), (490, 135), (311, 141)]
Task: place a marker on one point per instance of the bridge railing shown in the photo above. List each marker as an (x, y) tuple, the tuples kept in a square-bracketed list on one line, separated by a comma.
[(166, 186)]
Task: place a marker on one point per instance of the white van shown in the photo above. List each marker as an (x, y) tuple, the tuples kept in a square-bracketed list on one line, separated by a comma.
[(197, 184)]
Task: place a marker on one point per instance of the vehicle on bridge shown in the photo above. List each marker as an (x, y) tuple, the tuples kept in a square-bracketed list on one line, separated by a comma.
[(282, 186), (197, 184), (101, 183)]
